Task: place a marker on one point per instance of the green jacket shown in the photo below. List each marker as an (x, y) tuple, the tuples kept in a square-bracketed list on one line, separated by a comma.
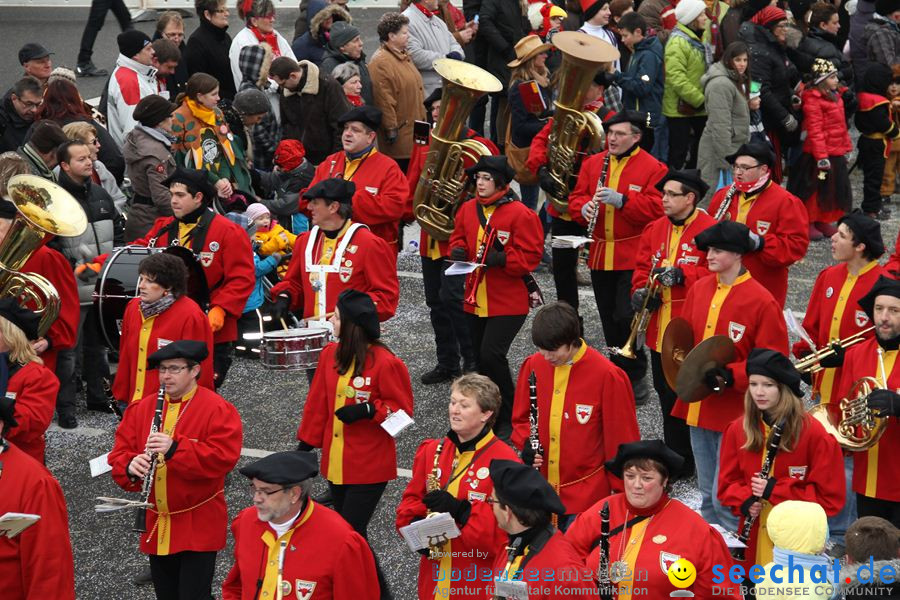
[(685, 61)]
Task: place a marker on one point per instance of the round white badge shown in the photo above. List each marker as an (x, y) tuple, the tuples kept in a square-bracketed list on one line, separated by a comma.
[(483, 473)]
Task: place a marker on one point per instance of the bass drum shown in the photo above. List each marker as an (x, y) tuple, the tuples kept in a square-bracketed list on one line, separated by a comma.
[(118, 285)]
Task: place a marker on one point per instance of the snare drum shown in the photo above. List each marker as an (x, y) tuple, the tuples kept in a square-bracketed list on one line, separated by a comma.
[(293, 349)]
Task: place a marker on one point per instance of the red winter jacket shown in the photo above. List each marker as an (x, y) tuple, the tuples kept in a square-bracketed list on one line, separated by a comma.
[(825, 125)]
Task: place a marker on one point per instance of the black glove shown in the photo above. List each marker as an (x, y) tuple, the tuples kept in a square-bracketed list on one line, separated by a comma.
[(550, 185), (454, 55), (354, 412), (669, 276), (885, 403), (835, 360), (711, 378), (745, 507), (458, 253), (495, 258), (284, 258), (304, 447), (280, 308), (806, 377), (770, 485), (638, 297), (546, 114), (528, 454), (443, 501)]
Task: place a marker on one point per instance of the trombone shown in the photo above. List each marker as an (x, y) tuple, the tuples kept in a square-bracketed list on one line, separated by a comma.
[(812, 363), (641, 319)]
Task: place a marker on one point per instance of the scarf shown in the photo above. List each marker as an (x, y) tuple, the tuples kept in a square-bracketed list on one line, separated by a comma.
[(157, 134), (426, 12), (355, 100), (151, 309), (487, 201), (748, 187), (780, 556), (208, 116), (269, 38)]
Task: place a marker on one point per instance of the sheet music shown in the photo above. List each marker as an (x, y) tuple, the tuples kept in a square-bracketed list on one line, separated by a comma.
[(461, 267), (797, 329), (569, 241), (100, 465), (440, 526), (12, 524), (397, 422), (729, 536)]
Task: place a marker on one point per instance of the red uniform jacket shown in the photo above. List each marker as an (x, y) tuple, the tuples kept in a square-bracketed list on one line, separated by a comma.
[(553, 572), (37, 563), (585, 410), (360, 452), (892, 267), (63, 333), (324, 559), (381, 191), (617, 232), (780, 218), (745, 312), (34, 387), (140, 338), (671, 245), (501, 290), (876, 472), (481, 539), (813, 471), (833, 313), (227, 260), (673, 532), (367, 264), (188, 491)]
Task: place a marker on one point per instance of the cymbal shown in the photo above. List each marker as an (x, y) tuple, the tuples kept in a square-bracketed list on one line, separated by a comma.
[(716, 351), (677, 341)]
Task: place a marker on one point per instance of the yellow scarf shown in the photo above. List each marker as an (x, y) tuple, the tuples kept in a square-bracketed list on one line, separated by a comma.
[(208, 117)]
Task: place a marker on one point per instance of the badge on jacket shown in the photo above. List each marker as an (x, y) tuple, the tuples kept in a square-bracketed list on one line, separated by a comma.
[(861, 318), (206, 258), (503, 236), (736, 331), (304, 589), (583, 412), (762, 227)]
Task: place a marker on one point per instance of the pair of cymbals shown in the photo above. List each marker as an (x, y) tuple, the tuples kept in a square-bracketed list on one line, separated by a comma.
[(685, 365)]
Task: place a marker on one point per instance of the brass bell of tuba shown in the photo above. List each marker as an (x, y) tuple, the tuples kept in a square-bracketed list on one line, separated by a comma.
[(44, 209), (575, 132), (443, 182)]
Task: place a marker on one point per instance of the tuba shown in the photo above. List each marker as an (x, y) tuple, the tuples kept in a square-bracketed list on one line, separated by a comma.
[(575, 132), (44, 209), (443, 181)]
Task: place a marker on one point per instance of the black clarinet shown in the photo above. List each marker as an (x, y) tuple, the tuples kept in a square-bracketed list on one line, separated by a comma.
[(722, 213), (603, 578), (140, 517), (534, 438), (110, 399), (771, 450)]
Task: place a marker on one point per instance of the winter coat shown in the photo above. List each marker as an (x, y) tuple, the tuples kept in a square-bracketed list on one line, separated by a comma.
[(276, 239), (501, 24), (651, 11), (207, 52), (266, 134), (108, 182), (245, 37), (685, 59), (13, 128), (523, 124), (174, 83), (311, 45), (883, 41), (262, 266), (130, 82), (400, 94), (643, 81), (865, 9), (851, 586), (301, 24), (281, 190), (148, 155), (776, 74), (36, 164), (823, 122), (727, 123), (110, 154), (429, 39), (821, 44), (334, 57)]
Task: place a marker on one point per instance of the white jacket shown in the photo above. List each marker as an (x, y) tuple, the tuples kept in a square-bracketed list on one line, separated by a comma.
[(130, 81), (245, 37), (429, 39)]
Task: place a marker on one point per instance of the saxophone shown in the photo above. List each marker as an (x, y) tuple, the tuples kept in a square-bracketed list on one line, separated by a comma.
[(140, 518), (433, 484), (592, 224)]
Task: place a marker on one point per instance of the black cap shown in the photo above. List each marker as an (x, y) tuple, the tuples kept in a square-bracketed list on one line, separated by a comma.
[(655, 449), (725, 235), (153, 110), (192, 350), (22, 318), (689, 177), (776, 365), (867, 230), (524, 487), (884, 286), (334, 189), (433, 97), (358, 307), (7, 410), (32, 51), (497, 166), (193, 178), (7, 209), (365, 114), (635, 117), (131, 42), (283, 467), (761, 151)]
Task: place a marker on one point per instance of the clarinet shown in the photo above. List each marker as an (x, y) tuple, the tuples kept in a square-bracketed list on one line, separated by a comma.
[(140, 518), (603, 566), (771, 450), (110, 399), (533, 438), (722, 213), (592, 224)]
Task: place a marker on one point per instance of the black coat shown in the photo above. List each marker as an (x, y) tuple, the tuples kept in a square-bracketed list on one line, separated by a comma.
[(333, 58), (13, 128), (175, 82), (207, 52), (500, 26), (110, 154), (311, 116), (821, 44), (776, 74)]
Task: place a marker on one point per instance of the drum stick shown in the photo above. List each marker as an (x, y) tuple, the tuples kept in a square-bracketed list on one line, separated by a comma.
[(283, 324), (323, 317)]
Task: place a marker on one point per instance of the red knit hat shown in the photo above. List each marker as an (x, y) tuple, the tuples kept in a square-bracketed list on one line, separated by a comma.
[(768, 15), (289, 154)]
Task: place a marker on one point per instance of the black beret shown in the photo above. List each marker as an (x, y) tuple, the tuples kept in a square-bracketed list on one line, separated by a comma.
[(655, 449), (131, 42), (758, 150), (365, 114), (497, 166), (436, 95), (884, 286), (867, 230), (192, 350), (193, 178), (635, 117), (776, 365), (358, 307), (523, 486), (335, 189), (725, 235), (7, 209), (689, 177), (283, 467), (22, 318), (32, 51), (153, 110), (7, 410)]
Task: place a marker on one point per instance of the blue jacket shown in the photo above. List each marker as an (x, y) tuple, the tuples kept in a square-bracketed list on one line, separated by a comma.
[(263, 266), (642, 83)]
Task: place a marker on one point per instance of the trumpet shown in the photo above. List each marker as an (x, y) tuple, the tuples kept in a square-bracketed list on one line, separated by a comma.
[(812, 363), (641, 319), (433, 483), (473, 279)]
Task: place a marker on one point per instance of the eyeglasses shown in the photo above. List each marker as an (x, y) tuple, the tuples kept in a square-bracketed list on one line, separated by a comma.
[(94, 142), (174, 370), (484, 177), (668, 194), (255, 490), (269, 17), (490, 500), (618, 134), (745, 167), (30, 104)]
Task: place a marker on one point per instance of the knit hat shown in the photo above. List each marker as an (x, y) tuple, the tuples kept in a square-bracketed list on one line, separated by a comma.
[(591, 7), (688, 10), (256, 209), (886, 8), (289, 154), (153, 110), (251, 102), (131, 42), (341, 33), (822, 69), (62, 73), (769, 15)]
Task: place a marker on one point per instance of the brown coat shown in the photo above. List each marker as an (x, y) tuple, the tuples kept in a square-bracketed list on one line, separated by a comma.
[(400, 94), (148, 162)]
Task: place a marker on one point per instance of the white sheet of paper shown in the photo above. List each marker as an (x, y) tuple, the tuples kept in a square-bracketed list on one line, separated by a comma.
[(461, 268), (795, 327), (569, 241), (438, 526), (12, 524), (730, 538), (509, 589), (100, 465), (397, 422)]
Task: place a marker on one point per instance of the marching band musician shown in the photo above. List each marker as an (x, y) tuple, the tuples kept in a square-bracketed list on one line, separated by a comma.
[(808, 462), (223, 250), (381, 186), (621, 205), (876, 475), (497, 301), (159, 315), (667, 247), (571, 380), (336, 254), (774, 215), (31, 384), (727, 302), (37, 563), (288, 539), (197, 445), (452, 475), (648, 530)]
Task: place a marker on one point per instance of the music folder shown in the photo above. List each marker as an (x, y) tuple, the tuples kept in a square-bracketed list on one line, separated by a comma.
[(12, 524)]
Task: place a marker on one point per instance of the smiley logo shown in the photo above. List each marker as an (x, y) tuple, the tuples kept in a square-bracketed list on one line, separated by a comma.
[(682, 573)]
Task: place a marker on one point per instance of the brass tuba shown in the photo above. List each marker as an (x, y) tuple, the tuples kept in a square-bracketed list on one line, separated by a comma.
[(44, 209), (575, 132), (443, 180)]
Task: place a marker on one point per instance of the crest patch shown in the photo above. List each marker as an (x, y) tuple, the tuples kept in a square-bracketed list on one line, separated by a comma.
[(503, 236), (206, 258), (666, 559), (583, 412), (304, 589), (762, 227), (861, 318), (736, 331)]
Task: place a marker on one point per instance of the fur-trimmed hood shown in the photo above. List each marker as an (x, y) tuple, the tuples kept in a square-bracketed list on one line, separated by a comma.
[(851, 572), (335, 11), (254, 63)]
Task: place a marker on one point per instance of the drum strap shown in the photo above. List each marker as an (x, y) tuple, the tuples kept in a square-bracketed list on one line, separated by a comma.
[(334, 267), (198, 235)]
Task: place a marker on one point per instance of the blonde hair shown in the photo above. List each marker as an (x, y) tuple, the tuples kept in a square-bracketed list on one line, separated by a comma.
[(20, 349), (80, 130), (528, 71), (484, 391), (788, 409)]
